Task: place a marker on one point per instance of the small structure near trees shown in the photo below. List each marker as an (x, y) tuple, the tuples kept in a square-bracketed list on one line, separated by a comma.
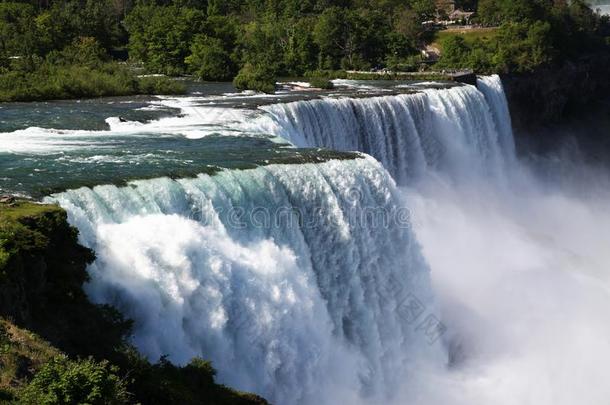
[(447, 13)]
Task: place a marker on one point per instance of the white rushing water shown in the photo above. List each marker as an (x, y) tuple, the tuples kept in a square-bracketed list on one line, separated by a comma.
[(519, 262), (297, 281), (475, 281), (453, 130)]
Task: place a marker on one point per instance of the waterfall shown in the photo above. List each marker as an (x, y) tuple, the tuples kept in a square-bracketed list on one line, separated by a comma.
[(302, 283), (491, 87), (457, 131), (312, 283)]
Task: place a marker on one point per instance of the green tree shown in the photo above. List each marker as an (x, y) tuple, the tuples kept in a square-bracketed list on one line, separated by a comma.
[(456, 53), (67, 20), (329, 36), (300, 52), (425, 9), (160, 36), (259, 78), (263, 45), (84, 51), (523, 47), (496, 12), (353, 39), (18, 34), (209, 60)]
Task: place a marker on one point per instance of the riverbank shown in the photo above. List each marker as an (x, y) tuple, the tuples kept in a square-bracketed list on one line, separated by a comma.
[(58, 344), (61, 82)]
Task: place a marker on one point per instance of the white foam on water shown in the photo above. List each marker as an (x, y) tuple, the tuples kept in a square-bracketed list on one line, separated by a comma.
[(193, 122), (354, 84), (524, 284)]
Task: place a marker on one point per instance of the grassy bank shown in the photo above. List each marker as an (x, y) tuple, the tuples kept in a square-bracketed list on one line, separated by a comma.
[(58, 347), (54, 82), (469, 36)]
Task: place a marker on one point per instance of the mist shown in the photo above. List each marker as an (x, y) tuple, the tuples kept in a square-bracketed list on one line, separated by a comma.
[(521, 275)]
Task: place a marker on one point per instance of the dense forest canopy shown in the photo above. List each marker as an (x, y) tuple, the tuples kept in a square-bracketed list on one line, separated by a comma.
[(258, 40), (530, 34)]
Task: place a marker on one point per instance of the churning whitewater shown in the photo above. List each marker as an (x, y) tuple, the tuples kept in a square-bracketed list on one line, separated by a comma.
[(295, 280)]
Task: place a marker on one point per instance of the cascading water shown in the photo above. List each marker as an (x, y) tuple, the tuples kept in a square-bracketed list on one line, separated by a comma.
[(491, 87), (304, 282), (298, 281), (458, 131)]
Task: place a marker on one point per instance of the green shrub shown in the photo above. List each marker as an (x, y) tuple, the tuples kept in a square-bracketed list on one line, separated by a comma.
[(50, 82), (63, 381), (160, 85), (320, 83), (256, 78), (192, 384)]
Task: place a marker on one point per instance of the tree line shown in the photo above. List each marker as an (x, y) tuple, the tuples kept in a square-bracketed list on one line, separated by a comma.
[(531, 34), (254, 41)]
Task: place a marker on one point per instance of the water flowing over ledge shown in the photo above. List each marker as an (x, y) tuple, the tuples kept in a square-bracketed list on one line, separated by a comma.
[(302, 283), (459, 131)]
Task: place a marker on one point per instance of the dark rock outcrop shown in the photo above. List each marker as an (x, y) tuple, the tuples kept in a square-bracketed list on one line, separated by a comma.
[(552, 95), (564, 105)]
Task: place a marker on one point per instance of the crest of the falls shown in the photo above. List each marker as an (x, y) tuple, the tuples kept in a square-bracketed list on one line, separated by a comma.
[(300, 282), (457, 131)]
